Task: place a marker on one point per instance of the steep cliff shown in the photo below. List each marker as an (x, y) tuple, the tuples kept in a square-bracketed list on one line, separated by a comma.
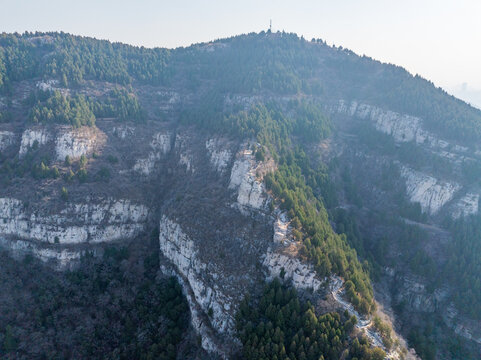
[(77, 142), (160, 144), (422, 179), (214, 277), (428, 191)]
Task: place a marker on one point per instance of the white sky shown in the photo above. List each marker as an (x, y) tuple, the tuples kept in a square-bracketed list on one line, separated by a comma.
[(440, 40)]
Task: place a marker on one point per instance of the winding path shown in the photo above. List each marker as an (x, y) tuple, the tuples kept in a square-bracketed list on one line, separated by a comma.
[(337, 286)]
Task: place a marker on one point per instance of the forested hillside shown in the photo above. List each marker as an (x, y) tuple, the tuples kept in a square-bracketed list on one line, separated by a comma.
[(317, 126), (280, 63)]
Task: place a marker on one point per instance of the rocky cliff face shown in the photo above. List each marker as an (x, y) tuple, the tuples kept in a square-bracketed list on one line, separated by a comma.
[(466, 205), (66, 140), (217, 277), (93, 222), (77, 142), (402, 127), (440, 194), (217, 267), (430, 192), (60, 236), (219, 231), (33, 216), (39, 136), (60, 258), (243, 179), (220, 157), (160, 146), (204, 294)]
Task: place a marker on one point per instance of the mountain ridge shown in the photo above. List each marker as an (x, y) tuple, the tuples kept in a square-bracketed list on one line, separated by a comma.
[(250, 114)]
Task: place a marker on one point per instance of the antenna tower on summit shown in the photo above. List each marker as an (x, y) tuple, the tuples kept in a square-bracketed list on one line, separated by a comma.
[(270, 25)]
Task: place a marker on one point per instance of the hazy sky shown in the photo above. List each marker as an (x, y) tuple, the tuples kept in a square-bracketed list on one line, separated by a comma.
[(438, 39)]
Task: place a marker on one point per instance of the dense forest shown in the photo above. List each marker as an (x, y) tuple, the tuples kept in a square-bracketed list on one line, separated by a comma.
[(60, 109), (78, 110), (464, 266), (281, 326), (114, 307)]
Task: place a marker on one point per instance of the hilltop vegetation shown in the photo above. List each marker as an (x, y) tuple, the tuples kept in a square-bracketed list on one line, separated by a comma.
[(257, 63)]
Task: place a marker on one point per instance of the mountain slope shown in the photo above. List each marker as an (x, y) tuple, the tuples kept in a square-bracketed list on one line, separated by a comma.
[(257, 156)]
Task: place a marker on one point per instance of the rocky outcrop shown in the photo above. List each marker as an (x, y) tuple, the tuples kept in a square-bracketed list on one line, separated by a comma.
[(219, 156), (62, 257), (213, 284), (467, 205), (7, 138), (207, 296), (412, 292), (183, 150), (281, 229), (430, 192), (92, 222), (467, 328), (402, 127), (160, 145), (301, 275), (77, 142), (198, 319), (243, 178), (39, 136), (123, 131), (51, 85)]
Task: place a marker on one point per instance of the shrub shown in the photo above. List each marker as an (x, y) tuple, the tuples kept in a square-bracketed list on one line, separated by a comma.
[(64, 194), (82, 175), (112, 159), (103, 174), (83, 161)]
